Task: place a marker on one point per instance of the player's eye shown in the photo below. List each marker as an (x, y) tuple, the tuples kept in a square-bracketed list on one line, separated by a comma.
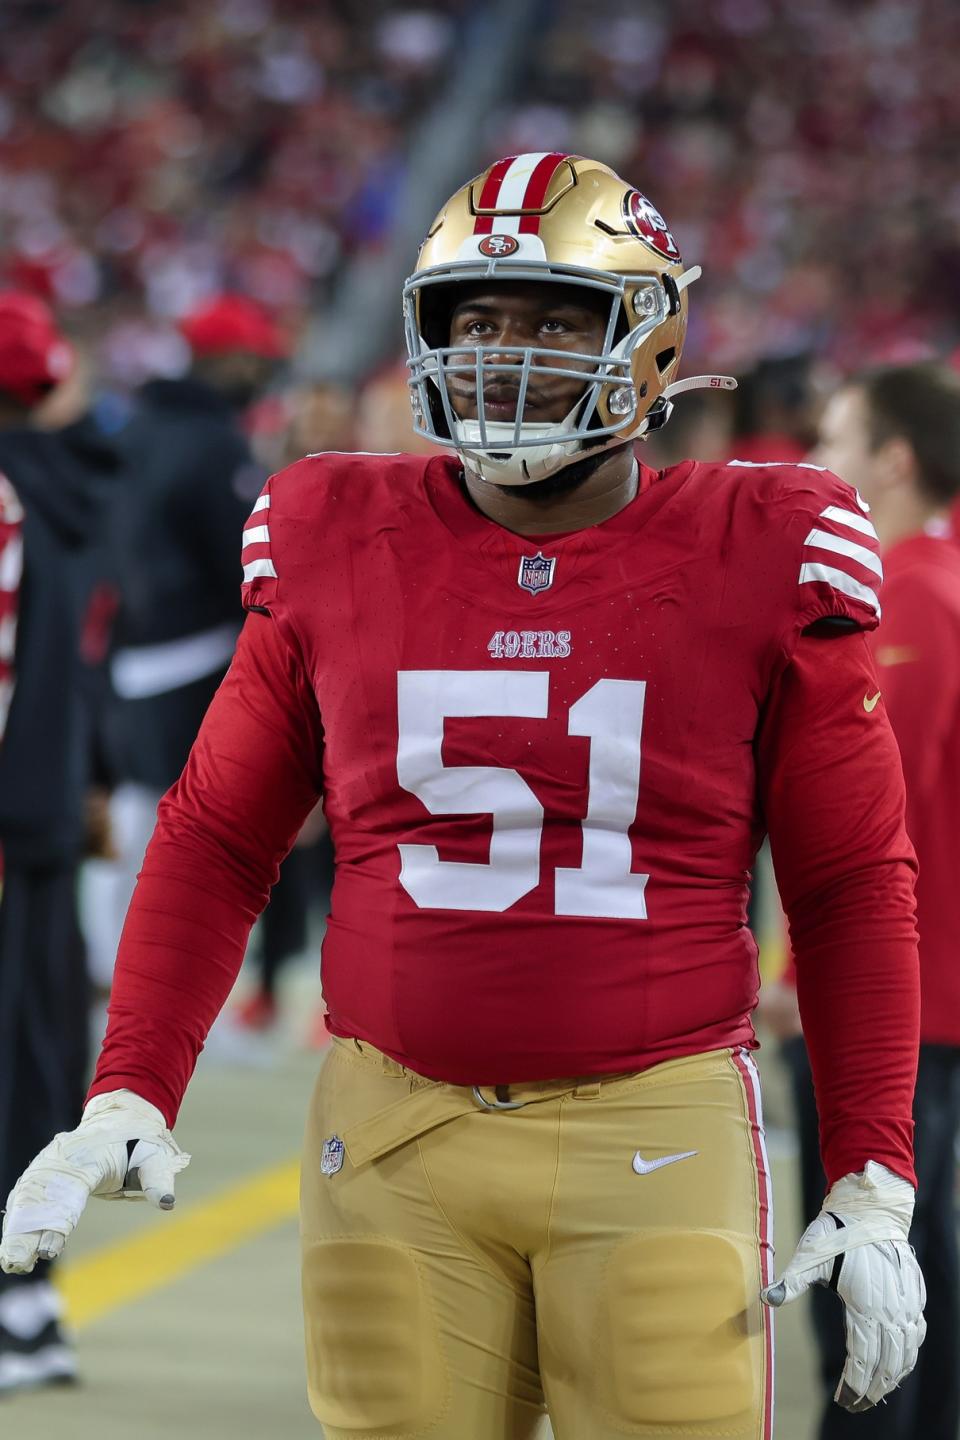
[(554, 326)]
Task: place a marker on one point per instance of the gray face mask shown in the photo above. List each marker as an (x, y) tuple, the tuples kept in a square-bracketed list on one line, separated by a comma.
[(519, 451)]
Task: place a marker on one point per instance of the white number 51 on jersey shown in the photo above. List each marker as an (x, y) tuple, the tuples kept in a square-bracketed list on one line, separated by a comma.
[(610, 714)]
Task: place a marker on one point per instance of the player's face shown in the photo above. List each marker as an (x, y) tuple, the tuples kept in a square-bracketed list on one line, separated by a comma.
[(542, 315), (843, 442)]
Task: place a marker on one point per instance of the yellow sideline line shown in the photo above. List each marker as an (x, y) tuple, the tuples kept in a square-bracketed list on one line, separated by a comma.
[(117, 1274)]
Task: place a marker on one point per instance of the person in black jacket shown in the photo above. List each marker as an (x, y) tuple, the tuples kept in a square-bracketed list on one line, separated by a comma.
[(52, 490), (175, 544)]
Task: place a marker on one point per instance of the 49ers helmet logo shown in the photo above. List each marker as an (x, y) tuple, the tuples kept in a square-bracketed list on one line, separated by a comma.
[(497, 246), (646, 222)]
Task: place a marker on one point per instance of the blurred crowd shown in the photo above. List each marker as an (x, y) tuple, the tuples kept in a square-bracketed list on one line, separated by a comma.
[(248, 144), (804, 154)]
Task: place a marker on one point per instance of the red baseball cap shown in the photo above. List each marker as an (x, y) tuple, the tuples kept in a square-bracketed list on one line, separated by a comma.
[(232, 323), (34, 356)]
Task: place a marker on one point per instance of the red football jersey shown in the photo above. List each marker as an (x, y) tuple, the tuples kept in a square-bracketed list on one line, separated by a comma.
[(917, 651), (538, 760), (547, 767)]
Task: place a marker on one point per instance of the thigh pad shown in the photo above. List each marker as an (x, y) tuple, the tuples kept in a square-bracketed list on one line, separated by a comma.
[(374, 1364), (681, 1336)]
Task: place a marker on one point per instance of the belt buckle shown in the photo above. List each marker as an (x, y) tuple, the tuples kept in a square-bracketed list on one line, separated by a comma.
[(497, 1104)]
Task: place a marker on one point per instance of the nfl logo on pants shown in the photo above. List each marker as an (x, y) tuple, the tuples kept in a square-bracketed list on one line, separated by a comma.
[(536, 573), (331, 1157)]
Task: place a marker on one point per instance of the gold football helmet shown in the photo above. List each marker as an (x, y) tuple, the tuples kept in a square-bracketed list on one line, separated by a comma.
[(566, 219)]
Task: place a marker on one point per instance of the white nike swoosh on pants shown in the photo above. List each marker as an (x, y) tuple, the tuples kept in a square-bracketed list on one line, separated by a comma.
[(644, 1167)]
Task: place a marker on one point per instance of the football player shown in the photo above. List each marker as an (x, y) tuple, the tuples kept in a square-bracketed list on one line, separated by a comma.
[(895, 433), (552, 699)]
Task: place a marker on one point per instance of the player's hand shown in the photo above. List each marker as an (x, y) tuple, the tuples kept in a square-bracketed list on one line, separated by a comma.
[(858, 1246), (121, 1149)]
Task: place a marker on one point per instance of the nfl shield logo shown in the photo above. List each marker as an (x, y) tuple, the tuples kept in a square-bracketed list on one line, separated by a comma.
[(331, 1160), (536, 573)]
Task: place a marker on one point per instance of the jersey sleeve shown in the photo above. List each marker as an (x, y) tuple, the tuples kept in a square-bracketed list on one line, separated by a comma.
[(834, 553), (806, 552), (258, 588), (833, 796), (297, 519), (920, 678), (253, 775)]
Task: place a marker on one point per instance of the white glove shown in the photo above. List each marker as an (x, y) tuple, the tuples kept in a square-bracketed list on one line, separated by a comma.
[(121, 1150), (858, 1246)]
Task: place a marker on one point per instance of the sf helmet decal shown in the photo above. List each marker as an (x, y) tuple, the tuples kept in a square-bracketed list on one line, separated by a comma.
[(496, 246), (644, 220)]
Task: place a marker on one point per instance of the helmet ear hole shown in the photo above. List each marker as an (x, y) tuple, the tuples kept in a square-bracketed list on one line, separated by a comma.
[(436, 308), (435, 403), (622, 327), (665, 359), (673, 293)]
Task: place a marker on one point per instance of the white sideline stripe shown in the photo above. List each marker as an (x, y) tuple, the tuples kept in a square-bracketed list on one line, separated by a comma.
[(256, 535), (259, 567), (262, 504), (841, 581), (823, 540), (839, 516)]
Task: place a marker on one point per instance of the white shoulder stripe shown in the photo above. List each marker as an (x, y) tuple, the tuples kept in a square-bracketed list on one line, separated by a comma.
[(263, 503), (823, 540), (850, 518), (259, 567), (841, 581), (256, 535), (776, 465)]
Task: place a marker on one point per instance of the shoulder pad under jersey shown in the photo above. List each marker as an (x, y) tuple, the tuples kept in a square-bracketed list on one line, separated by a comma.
[(303, 509), (816, 532)]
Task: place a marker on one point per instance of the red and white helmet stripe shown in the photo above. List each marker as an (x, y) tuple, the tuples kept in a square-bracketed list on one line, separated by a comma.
[(520, 182)]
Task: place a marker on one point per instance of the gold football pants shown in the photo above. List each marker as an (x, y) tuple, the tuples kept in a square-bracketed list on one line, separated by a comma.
[(465, 1267)]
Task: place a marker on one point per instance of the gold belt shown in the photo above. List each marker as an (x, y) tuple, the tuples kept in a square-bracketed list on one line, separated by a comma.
[(434, 1103)]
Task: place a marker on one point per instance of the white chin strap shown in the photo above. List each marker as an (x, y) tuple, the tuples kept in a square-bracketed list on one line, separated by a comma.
[(526, 464)]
